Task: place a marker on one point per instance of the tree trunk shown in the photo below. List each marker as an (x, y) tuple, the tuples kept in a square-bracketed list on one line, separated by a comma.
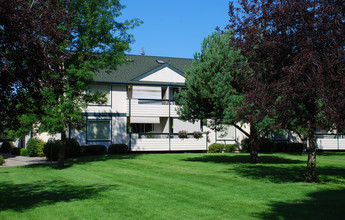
[(61, 156), (253, 145), (310, 175)]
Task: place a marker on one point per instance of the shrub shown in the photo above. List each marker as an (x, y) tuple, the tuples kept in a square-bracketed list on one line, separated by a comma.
[(296, 147), (35, 147), (231, 148), (215, 148), (6, 147), (72, 148), (15, 151), (93, 150), (2, 160), (24, 152), (51, 149), (118, 149), (281, 147), (245, 145), (266, 145), (289, 147)]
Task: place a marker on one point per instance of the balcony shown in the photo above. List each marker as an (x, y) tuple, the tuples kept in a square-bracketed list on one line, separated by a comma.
[(161, 142), (151, 108), (330, 142)]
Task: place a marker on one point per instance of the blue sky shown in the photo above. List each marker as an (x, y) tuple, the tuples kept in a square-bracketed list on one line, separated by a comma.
[(174, 28)]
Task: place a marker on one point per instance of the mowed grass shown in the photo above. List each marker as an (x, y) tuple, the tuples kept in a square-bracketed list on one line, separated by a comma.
[(176, 186)]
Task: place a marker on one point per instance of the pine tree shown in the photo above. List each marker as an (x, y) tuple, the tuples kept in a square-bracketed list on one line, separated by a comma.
[(216, 89)]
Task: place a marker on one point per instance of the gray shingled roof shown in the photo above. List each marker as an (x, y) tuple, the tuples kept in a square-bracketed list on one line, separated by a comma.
[(139, 66)]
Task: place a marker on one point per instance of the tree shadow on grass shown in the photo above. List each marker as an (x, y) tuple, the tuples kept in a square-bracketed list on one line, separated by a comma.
[(325, 153), (243, 159), (273, 174), (88, 159), (289, 173), (19, 197), (104, 157), (273, 168), (328, 204)]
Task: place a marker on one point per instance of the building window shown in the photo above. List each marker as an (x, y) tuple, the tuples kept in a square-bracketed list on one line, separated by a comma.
[(99, 130), (227, 133), (104, 89), (141, 128)]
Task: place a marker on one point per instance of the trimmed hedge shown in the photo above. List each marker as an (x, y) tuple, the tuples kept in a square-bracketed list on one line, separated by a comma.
[(245, 145), (89, 150), (72, 148), (6, 147), (15, 151), (51, 149), (289, 147), (35, 147), (24, 152), (2, 160), (118, 149), (266, 145), (216, 148), (231, 148)]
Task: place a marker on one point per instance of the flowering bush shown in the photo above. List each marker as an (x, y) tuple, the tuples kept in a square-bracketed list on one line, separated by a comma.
[(197, 134), (182, 134)]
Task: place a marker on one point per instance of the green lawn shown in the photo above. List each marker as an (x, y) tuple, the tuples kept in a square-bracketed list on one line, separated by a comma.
[(175, 186)]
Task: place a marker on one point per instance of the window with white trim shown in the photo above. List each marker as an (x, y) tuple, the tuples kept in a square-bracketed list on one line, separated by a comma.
[(104, 89), (227, 133)]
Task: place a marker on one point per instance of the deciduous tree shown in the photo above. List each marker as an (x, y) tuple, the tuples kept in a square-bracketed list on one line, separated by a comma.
[(296, 49), (88, 37), (31, 48), (98, 41)]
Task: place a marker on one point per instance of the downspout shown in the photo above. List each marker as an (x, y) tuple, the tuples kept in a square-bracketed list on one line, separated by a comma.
[(169, 120), (206, 142), (129, 116)]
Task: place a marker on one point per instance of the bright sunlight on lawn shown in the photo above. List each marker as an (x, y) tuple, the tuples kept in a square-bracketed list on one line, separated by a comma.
[(175, 186)]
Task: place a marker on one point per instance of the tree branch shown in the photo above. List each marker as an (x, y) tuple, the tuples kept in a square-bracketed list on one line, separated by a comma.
[(241, 129)]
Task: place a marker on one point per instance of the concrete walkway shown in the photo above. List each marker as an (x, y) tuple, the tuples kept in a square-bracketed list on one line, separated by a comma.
[(12, 161)]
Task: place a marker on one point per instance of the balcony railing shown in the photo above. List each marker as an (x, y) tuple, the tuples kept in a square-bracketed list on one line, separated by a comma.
[(155, 102), (165, 135), (162, 142), (330, 142)]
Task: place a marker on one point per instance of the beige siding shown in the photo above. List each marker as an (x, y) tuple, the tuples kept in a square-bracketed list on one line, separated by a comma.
[(149, 110), (165, 75), (330, 144)]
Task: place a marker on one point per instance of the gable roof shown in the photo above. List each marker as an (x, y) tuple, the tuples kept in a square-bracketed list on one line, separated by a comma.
[(141, 66)]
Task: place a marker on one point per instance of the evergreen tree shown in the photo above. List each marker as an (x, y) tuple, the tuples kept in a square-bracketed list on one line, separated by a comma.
[(216, 88)]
